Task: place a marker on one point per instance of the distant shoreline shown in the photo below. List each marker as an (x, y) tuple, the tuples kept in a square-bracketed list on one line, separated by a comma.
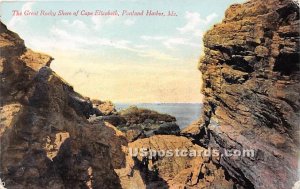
[(185, 113), (135, 103)]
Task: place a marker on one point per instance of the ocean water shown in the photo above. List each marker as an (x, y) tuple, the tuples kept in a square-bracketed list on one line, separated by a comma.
[(185, 113)]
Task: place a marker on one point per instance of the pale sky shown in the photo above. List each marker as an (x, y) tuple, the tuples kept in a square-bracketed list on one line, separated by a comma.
[(122, 58)]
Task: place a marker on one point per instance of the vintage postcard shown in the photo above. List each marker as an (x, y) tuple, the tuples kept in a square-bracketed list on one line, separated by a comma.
[(149, 94)]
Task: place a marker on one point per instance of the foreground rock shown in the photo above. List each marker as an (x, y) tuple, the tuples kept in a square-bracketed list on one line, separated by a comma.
[(251, 87), (46, 140), (173, 171)]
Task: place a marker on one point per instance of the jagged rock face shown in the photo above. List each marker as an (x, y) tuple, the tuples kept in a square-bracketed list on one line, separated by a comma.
[(45, 136), (191, 171), (251, 87), (105, 107)]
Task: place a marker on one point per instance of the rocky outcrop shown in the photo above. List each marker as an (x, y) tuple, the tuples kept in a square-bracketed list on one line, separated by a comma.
[(46, 140), (105, 107), (140, 123), (187, 166), (135, 115), (251, 87), (136, 122)]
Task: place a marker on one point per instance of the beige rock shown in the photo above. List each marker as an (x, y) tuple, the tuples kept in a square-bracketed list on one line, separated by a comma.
[(172, 171)]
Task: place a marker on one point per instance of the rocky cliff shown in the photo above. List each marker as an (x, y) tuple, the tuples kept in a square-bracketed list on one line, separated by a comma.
[(46, 140), (251, 86), (50, 140), (52, 137)]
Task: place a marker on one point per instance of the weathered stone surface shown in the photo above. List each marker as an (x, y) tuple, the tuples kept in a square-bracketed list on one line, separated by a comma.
[(134, 134), (46, 140), (112, 119), (251, 87), (193, 129), (174, 171), (147, 122), (105, 107), (137, 122), (167, 129), (135, 115)]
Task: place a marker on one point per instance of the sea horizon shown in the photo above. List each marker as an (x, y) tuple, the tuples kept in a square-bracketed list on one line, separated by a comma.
[(185, 113), (133, 103)]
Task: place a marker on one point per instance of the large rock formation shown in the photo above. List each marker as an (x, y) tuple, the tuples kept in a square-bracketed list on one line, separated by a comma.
[(167, 161), (46, 139), (251, 87), (140, 122), (50, 140)]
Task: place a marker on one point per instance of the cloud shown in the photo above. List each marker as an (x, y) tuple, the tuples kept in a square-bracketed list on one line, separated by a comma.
[(150, 38), (129, 22), (170, 42), (173, 41), (62, 38), (141, 46), (18, 20), (194, 22), (75, 25), (79, 41), (210, 18), (100, 21), (157, 55), (97, 21), (193, 26)]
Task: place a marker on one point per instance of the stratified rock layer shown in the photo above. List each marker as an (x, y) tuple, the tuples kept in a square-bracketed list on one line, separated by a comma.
[(251, 87)]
